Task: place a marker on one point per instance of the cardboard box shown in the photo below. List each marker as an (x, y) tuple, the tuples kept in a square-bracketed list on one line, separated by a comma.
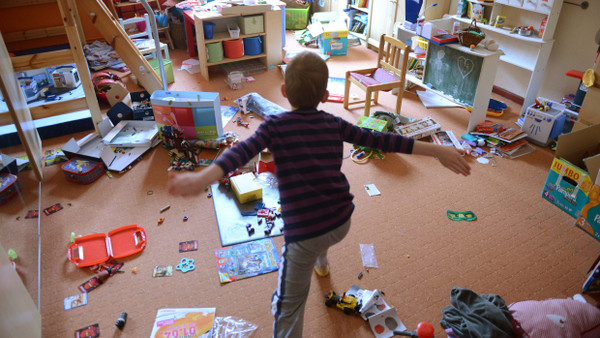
[(334, 39), (132, 134), (589, 216), (568, 183), (246, 188), (92, 147), (196, 114)]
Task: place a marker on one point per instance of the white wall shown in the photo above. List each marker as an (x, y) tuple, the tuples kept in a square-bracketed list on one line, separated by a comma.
[(574, 48)]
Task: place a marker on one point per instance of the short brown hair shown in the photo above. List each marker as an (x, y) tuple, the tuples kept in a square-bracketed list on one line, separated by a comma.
[(306, 78)]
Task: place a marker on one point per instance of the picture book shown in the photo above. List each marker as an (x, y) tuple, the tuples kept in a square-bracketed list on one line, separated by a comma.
[(592, 281), (335, 86), (184, 322), (247, 260)]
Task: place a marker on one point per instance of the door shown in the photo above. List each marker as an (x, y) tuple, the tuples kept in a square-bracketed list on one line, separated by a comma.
[(383, 16)]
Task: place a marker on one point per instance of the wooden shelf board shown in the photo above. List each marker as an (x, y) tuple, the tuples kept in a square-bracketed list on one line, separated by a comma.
[(228, 60), (224, 36)]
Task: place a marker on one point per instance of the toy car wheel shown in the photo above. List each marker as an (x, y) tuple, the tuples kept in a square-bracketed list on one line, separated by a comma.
[(329, 302), (348, 311)]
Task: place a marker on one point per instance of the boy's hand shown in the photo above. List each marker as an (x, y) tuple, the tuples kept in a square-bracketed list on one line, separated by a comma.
[(452, 159), (192, 184)]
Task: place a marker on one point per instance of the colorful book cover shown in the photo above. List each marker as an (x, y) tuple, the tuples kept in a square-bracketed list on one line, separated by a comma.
[(592, 282), (184, 322), (247, 260)]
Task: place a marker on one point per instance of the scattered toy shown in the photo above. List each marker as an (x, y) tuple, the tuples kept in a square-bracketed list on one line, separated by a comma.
[(424, 330), (52, 209), (161, 220), (346, 303), (209, 195), (186, 264), (72, 302), (360, 275), (185, 218), (122, 320), (134, 270), (163, 271), (250, 229), (32, 214), (165, 208), (461, 215), (92, 331)]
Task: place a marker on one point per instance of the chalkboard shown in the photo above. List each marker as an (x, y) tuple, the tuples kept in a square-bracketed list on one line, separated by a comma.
[(453, 72)]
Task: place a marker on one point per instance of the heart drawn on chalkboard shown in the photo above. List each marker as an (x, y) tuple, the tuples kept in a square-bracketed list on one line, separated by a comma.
[(465, 66)]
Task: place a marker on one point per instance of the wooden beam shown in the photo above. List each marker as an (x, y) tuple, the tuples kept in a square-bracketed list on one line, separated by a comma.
[(19, 112), (116, 36), (49, 110), (32, 34), (42, 60), (68, 10)]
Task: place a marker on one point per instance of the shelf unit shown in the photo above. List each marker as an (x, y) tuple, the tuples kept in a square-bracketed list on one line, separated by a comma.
[(271, 39), (364, 33), (529, 53)]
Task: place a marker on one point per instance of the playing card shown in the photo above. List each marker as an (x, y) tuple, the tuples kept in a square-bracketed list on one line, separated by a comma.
[(50, 210), (163, 271), (91, 331), (372, 190), (90, 285), (32, 214), (188, 246), (75, 301)]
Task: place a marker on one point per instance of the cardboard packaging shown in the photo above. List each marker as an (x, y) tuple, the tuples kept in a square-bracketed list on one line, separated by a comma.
[(589, 114), (332, 37), (372, 123), (196, 114), (568, 183), (132, 134), (589, 216), (246, 188)]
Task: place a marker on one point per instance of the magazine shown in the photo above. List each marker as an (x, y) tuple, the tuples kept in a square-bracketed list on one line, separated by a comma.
[(247, 260), (184, 322)]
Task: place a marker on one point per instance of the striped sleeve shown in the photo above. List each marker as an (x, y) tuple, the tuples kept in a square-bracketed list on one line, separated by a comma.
[(244, 151)]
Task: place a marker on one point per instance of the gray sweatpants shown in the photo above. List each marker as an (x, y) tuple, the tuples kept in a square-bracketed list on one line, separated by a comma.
[(293, 284)]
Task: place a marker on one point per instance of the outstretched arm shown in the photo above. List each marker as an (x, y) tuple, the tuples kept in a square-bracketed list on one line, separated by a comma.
[(193, 183), (449, 157)]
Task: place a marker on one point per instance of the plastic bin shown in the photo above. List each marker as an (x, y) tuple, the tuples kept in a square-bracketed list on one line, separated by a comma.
[(234, 31), (168, 69), (208, 29), (296, 18)]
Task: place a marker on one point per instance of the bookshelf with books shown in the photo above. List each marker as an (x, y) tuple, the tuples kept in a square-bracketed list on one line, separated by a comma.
[(359, 12)]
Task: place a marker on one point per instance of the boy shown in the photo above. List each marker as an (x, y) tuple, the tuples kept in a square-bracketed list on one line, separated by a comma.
[(316, 203)]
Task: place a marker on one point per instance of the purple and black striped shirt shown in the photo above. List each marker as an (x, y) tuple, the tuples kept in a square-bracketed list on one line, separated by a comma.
[(307, 147)]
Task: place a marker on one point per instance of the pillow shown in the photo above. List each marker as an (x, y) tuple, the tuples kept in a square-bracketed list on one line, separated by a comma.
[(556, 318)]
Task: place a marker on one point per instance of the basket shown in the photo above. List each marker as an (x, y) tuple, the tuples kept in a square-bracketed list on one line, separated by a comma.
[(471, 36)]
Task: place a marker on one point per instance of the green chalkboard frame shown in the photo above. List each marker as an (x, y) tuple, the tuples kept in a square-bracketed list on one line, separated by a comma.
[(453, 72)]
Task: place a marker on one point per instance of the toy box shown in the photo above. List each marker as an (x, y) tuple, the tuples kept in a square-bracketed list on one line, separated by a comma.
[(589, 216), (543, 126), (9, 187), (296, 18), (196, 114), (252, 24), (168, 66), (96, 249), (82, 171), (568, 185), (246, 188), (334, 39)]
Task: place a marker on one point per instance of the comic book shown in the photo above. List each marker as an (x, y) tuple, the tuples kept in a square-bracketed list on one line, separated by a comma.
[(184, 322), (247, 260)]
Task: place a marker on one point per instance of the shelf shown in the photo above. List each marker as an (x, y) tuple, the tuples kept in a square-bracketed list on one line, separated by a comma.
[(224, 36), (501, 31), (483, 3), (413, 79), (361, 9), (510, 61), (358, 35), (245, 57)]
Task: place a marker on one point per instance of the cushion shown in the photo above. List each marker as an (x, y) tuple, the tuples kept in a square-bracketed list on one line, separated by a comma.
[(379, 76), (556, 318)]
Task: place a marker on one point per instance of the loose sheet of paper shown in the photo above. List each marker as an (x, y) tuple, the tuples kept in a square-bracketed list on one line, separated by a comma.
[(372, 190), (368, 256)]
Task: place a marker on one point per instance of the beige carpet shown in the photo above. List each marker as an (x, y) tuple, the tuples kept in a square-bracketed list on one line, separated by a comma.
[(520, 247)]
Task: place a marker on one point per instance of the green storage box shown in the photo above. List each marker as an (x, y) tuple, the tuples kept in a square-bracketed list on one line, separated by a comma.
[(251, 24), (296, 18), (168, 69)]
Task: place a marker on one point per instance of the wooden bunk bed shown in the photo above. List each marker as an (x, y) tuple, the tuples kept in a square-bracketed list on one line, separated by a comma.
[(23, 116)]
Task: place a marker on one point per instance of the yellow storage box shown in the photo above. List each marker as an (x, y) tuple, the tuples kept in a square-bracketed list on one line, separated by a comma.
[(251, 24), (246, 188)]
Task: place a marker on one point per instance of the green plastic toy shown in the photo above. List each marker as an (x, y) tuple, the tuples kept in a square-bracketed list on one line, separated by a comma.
[(12, 254), (461, 215)]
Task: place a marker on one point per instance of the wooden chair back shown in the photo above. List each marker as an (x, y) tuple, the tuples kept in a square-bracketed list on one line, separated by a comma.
[(393, 56)]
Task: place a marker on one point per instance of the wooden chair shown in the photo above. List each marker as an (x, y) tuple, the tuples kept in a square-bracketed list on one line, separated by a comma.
[(145, 40), (390, 73)]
